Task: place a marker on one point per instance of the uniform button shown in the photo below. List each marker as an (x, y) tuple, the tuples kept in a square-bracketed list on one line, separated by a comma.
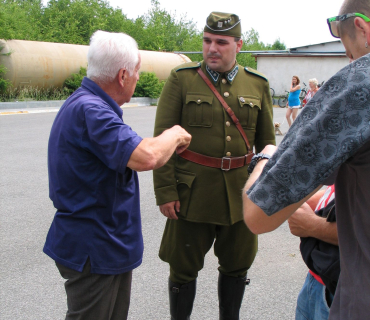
[(226, 94), (228, 154), (223, 81), (227, 123), (242, 100), (199, 101), (251, 104), (228, 138)]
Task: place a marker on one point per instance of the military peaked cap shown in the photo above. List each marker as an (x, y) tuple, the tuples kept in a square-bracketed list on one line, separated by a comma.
[(225, 24)]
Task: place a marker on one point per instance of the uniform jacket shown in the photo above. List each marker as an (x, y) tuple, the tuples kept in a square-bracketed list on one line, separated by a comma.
[(207, 194)]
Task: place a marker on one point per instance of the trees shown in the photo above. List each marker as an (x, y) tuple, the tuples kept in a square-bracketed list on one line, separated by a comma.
[(20, 19), (161, 31), (74, 21), (251, 42)]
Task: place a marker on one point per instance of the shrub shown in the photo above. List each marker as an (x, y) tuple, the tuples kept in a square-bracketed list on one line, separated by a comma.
[(4, 84), (73, 82), (148, 86)]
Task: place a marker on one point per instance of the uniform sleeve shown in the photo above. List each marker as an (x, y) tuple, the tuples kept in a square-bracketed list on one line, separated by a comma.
[(168, 114), (332, 127), (265, 131), (109, 138)]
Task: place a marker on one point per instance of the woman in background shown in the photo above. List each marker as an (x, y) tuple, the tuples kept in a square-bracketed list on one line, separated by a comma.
[(293, 100), (314, 87)]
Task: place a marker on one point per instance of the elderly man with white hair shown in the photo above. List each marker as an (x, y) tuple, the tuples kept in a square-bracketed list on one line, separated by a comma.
[(95, 237)]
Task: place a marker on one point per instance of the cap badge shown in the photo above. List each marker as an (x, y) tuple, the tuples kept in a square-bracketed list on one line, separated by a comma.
[(219, 24)]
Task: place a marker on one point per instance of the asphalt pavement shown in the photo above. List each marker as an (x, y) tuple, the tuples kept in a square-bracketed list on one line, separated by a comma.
[(31, 287)]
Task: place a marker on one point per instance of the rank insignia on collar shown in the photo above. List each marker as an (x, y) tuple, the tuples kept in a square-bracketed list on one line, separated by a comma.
[(232, 74), (214, 74)]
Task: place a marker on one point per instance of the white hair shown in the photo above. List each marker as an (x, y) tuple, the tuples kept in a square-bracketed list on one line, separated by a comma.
[(313, 80), (108, 53)]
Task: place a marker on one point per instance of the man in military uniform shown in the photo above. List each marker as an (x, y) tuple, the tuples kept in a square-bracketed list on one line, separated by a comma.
[(200, 193)]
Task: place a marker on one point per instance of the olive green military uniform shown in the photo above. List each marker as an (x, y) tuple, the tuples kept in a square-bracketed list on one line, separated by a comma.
[(211, 198), (210, 195)]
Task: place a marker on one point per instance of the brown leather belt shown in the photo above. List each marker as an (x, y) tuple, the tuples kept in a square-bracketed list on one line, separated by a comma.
[(225, 163)]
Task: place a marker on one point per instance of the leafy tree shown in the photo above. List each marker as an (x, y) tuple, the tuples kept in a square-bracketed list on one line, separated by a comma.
[(251, 42), (278, 45), (161, 32), (20, 19), (74, 21)]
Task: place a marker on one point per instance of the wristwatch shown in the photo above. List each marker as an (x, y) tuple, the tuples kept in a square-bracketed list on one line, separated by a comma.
[(255, 159)]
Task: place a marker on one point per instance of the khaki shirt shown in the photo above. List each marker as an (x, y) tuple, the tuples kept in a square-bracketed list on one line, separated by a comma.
[(206, 194)]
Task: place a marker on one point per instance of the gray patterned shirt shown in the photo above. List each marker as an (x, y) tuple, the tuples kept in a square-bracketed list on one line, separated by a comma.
[(330, 129)]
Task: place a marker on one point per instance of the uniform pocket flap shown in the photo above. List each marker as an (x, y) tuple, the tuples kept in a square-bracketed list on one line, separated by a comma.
[(249, 101), (184, 177), (198, 98)]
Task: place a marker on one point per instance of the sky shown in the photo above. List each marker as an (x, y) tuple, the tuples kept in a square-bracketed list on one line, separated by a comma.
[(296, 23)]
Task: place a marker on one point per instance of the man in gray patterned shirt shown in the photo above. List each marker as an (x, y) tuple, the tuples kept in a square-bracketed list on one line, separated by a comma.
[(329, 141)]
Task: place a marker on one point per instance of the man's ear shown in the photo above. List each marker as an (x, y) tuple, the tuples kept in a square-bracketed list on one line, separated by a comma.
[(239, 45), (122, 73), (362, 26)]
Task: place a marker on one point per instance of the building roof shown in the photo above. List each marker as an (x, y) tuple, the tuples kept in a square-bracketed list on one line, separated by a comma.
[(324, 49)]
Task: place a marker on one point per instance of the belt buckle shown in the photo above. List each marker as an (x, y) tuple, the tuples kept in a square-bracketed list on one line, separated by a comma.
[(222, 163)]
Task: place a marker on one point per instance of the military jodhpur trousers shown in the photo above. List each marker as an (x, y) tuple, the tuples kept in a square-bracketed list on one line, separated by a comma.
[(185, 244), (96, 296)]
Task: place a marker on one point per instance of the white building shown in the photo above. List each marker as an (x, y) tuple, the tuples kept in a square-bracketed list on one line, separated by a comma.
[(320, 61)]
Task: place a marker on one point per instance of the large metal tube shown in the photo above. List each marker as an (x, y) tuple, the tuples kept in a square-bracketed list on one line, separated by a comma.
[(47, 64)]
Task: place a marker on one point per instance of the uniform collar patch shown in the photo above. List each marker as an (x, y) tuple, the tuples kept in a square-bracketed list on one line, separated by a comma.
[(214, 74), (232, 74)]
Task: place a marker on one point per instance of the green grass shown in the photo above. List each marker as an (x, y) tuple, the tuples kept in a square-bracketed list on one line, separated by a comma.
[(34, 94)]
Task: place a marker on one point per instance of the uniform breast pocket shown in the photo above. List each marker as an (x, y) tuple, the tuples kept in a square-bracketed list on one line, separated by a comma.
[(248, 111), (198, 110)]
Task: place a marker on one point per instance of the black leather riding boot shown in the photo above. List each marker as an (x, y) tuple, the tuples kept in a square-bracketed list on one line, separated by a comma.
[(230, 296), (181, 299)]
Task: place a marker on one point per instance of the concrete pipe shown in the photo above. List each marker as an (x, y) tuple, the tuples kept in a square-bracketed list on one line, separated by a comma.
[(47, 64)]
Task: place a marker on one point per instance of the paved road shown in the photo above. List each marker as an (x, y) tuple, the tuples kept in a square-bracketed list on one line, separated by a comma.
[(31, 287)]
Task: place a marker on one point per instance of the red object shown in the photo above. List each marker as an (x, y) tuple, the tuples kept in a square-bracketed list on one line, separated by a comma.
[(317, 277)]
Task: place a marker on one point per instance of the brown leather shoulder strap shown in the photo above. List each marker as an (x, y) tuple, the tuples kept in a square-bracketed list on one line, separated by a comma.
[(226, 107)]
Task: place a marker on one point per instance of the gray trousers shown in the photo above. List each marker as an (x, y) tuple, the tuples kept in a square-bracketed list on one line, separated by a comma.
[(96, 296)]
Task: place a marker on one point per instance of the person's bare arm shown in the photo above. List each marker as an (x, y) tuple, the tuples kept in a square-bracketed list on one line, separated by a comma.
[(305, 223), (297, 87), (255, 218), (152, 153), (314, 200)]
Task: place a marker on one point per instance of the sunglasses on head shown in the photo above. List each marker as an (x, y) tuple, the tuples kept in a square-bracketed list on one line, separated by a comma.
[(333, 22)]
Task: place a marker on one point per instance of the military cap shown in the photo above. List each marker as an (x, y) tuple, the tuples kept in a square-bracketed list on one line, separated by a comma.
[(225, 24)]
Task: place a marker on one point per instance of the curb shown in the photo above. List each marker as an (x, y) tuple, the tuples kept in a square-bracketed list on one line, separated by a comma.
[(27, 107)]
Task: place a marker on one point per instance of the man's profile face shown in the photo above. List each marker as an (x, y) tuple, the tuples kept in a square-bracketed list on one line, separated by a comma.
[(219, 52), (130, 82)]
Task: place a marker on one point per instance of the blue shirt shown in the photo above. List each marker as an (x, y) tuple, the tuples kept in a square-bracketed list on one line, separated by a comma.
[(96, 195), (293, 99)]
